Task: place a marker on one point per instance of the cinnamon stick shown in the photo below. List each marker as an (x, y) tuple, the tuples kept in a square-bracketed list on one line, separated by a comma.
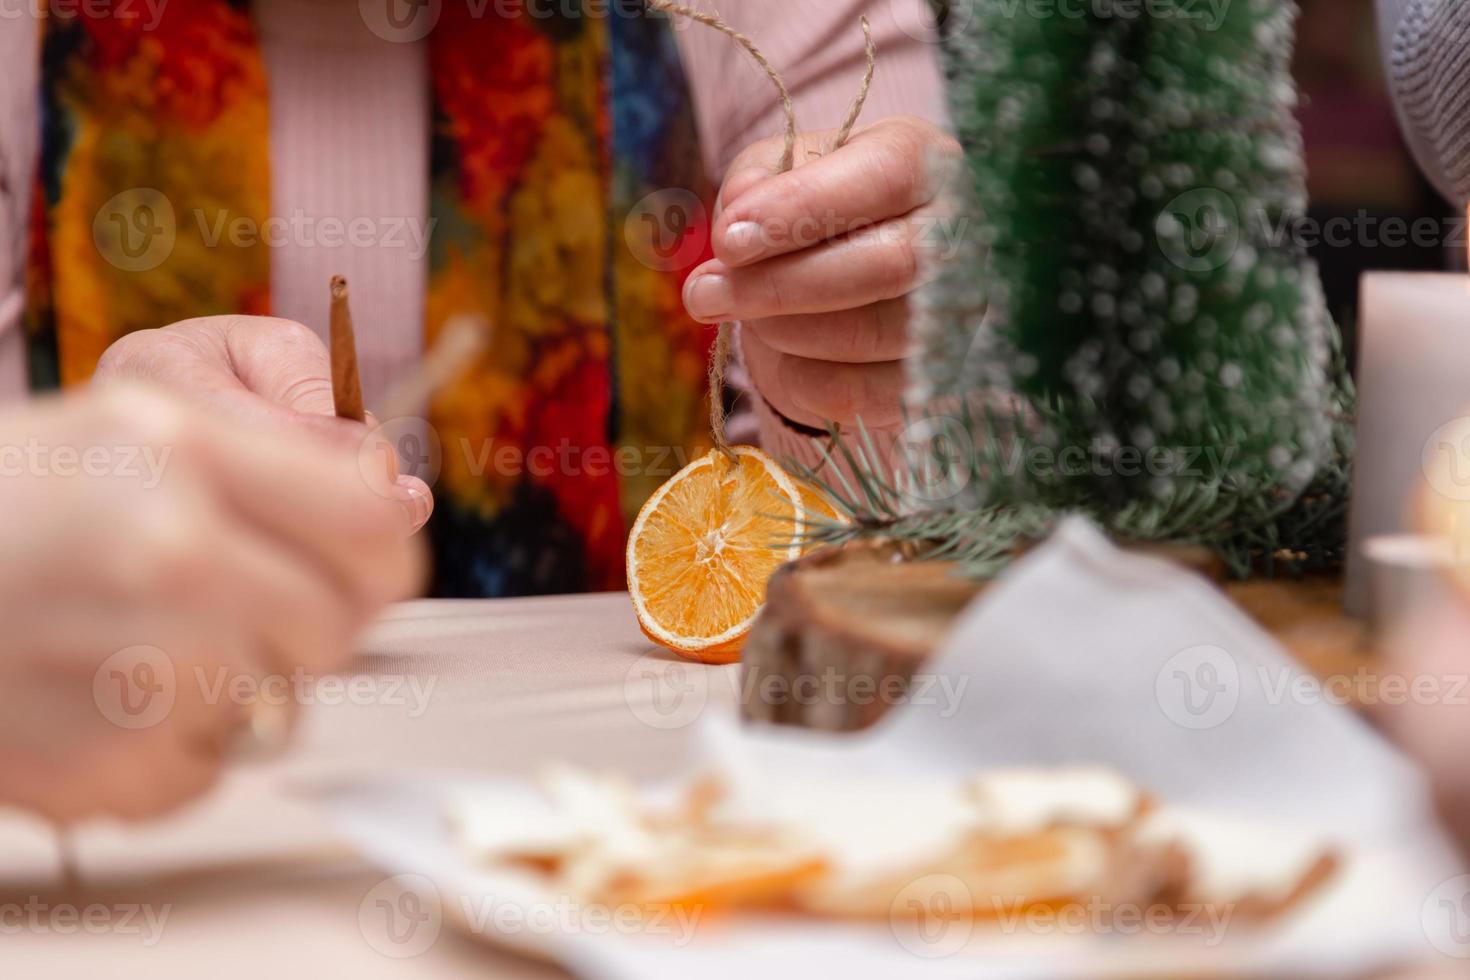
[(346, 385)]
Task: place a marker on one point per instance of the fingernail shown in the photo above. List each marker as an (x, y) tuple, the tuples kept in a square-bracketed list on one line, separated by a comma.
[(709, 297), (743, 241), (418, 506)]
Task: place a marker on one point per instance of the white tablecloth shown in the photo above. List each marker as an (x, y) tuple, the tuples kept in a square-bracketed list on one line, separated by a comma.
[(252, 883)]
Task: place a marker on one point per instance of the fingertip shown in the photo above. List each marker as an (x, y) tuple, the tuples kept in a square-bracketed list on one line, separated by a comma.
[(709, 293), (418, 501)]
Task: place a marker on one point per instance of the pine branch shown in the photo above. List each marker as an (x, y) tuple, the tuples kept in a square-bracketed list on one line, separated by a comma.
[(1270, 532)]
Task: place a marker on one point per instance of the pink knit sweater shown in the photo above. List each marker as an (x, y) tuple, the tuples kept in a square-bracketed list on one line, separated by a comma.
[(350, 137)]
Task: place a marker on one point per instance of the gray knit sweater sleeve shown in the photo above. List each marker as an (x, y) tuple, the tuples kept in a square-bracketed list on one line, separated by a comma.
[(1426, 45)]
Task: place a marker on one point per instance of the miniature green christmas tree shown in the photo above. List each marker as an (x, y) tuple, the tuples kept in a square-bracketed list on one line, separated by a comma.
[(1129, 331)]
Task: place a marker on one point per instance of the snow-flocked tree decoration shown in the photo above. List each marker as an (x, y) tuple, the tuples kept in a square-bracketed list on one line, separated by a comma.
[(1130, 331)]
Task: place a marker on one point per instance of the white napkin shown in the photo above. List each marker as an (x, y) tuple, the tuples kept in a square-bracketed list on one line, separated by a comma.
[(1087, 654)]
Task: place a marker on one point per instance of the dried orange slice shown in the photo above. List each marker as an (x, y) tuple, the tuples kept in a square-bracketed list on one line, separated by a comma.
[(703, 547)]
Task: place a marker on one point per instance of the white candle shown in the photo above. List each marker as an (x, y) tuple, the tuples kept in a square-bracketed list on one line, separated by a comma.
[(1408, 571), (1413, 407)]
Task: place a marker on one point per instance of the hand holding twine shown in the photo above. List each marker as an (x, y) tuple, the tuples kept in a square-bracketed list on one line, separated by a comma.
[(720, 356)]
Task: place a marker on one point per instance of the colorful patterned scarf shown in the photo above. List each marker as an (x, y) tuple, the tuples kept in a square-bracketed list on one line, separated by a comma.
[(550, 132)]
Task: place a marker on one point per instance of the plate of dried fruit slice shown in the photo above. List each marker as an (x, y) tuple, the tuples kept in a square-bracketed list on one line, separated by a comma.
[(1014, 873)]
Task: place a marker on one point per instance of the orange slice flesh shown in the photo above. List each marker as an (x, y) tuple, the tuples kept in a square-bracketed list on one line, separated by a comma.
[(703, 547)]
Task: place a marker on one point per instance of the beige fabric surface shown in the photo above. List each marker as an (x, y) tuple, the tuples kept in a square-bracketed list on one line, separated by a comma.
[(253, 880)]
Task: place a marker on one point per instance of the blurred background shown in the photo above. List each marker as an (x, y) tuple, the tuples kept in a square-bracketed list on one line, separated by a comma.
[(1357, 162)]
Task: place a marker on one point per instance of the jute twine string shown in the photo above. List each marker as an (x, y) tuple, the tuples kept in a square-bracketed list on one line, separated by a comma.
[(867, 86), (713, 21), (720, 356)]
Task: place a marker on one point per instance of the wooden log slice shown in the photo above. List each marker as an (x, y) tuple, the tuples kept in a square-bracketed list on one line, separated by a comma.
[(842, 633), (845, 629)]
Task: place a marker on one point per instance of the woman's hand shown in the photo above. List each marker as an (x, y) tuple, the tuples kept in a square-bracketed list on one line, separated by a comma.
[(817, 263), (261, 371), (155, 556)]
